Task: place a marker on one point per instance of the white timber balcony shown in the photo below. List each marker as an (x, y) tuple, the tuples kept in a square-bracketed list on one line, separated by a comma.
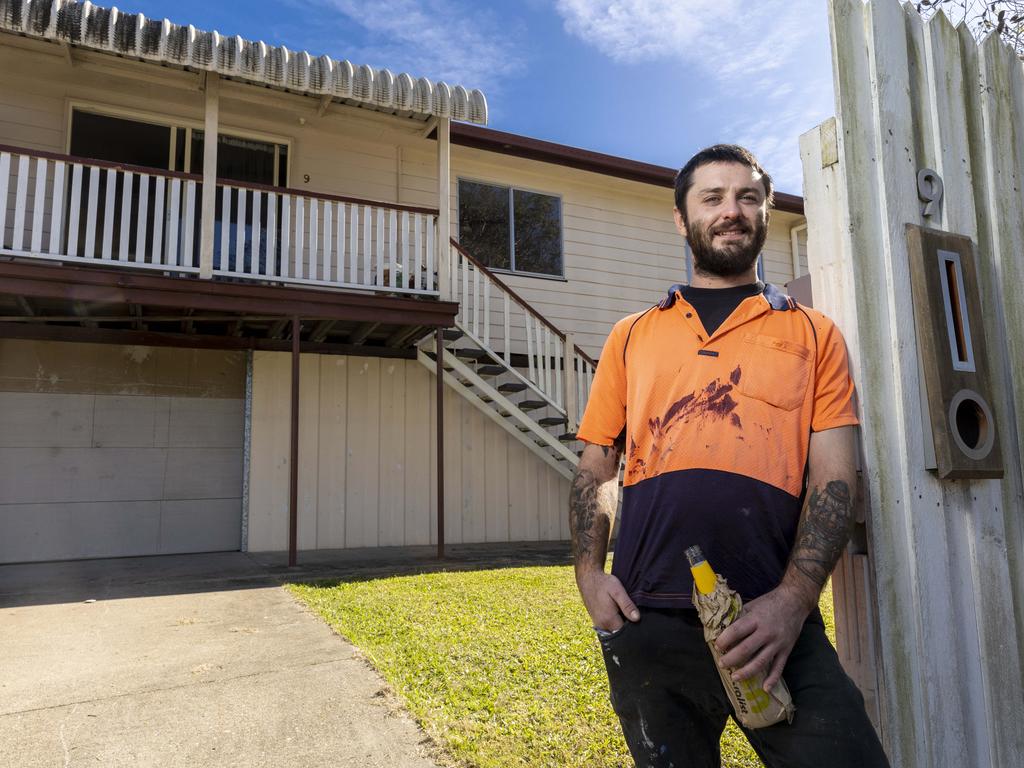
[(76, 210)]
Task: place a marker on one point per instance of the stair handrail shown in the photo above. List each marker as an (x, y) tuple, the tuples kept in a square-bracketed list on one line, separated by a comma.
[(519, 299), (506, 287), (578, 368)]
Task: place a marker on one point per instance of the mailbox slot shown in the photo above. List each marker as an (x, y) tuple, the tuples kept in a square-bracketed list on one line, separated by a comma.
[(956, 394)]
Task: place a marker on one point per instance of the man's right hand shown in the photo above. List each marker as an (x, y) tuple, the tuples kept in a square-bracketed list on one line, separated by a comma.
[(606, 600)]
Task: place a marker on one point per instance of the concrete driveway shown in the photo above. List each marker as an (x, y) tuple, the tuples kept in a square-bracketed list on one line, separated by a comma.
[(200, 660)]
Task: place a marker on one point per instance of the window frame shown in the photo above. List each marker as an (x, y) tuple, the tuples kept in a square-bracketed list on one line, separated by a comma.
[(176, 123), (512, 189)]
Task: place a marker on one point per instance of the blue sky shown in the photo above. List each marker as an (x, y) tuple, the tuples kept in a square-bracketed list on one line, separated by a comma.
[(652, 80)]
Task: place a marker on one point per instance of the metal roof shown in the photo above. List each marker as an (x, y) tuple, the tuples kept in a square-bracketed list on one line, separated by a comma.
[(133, 35)]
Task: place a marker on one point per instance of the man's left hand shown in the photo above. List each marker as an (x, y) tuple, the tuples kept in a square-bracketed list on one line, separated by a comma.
[(761, 639)]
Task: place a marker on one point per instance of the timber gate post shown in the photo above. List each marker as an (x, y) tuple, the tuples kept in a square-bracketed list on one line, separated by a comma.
[(927, 133)]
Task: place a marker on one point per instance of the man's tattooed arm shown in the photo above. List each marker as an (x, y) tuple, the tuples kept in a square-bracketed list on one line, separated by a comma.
[(762, 638), (824, 528), (828, 513), (592, 505), (595, 494)]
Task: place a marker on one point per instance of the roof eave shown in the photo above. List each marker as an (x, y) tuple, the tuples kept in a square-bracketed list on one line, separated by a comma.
[(490, 140)]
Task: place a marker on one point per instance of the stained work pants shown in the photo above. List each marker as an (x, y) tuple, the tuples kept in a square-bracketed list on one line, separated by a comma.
[(672, 707)]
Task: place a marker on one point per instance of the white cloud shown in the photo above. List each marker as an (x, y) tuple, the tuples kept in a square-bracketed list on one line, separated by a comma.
[(774, 136), (752, 50), (727, 38), (441, 40)]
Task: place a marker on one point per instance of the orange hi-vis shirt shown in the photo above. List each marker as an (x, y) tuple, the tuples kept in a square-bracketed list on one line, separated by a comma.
[(716, 435)]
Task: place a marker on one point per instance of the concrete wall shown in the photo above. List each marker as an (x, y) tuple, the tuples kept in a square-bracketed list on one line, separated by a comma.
[(115, 450), (367, 471)]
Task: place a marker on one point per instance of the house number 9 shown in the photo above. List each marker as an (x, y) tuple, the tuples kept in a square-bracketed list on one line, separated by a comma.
[(305, 178), (929, 190)]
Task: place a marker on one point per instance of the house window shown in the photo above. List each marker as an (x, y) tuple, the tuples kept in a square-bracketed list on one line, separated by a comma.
[(511, 229), (134, 142), (170, 147)]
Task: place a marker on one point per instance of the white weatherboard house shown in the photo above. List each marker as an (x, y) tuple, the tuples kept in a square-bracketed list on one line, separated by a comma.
[(152, 283)]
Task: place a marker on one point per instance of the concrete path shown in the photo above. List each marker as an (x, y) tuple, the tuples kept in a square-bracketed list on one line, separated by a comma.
[(199, 660)]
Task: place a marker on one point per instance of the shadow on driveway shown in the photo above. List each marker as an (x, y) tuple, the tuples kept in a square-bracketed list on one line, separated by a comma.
[(79, 580)]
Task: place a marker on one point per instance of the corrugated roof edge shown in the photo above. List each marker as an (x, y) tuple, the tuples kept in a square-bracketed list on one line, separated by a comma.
[(584, 159), (133, 35)]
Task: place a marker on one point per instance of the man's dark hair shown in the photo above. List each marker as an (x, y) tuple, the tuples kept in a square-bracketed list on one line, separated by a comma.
[(720, 153)]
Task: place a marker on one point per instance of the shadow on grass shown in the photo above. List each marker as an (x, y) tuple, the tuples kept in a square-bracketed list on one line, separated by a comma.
[(415, 562)]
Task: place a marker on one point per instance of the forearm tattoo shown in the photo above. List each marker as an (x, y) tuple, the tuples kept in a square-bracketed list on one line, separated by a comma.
[(823, 531), (591, 511)]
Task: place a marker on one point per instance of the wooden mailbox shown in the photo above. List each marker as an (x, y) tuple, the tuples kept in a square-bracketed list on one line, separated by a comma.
[(952, 354)]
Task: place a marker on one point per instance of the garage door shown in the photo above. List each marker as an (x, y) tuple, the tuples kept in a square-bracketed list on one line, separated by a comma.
[(114, 451)]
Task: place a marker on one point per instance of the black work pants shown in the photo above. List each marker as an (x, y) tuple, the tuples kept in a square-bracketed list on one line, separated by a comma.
[(673, 709)]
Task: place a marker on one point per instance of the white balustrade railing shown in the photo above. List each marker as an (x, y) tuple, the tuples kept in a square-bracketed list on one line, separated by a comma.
[(291, 237), (502, 323), (583, 374), (75, 210), (72, 210)]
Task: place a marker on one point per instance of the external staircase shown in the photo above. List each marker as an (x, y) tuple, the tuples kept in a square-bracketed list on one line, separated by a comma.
[(512, 363)]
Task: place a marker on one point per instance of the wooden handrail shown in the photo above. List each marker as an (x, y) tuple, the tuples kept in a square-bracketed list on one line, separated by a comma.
[(100, 163), (521, 301), (585, 356), (326, 196), (220, 181)]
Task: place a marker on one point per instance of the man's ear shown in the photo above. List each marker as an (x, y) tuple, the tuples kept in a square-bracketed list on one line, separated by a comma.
[(680, 224)]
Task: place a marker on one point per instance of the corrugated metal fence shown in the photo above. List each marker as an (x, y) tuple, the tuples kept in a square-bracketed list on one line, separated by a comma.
[(944, 601)]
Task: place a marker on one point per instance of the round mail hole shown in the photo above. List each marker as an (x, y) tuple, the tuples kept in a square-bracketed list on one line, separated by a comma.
[(970, 421)]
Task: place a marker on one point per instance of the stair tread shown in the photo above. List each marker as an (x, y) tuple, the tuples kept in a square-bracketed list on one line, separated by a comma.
[(490, 370), (550, 421), (512, 386), (451, 334), (529, 405), (471, 354), (568, 437)]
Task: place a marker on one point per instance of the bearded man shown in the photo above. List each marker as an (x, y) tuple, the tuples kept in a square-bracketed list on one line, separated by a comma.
[(733, 406)]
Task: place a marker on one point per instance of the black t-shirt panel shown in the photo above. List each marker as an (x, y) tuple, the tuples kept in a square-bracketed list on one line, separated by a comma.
[(714, 305)]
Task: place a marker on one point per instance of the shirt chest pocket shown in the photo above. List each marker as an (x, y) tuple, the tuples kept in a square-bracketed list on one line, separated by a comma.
[(774, 370)]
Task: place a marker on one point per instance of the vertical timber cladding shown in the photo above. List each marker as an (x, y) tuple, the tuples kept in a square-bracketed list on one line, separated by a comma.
[(112, 451), (367, 452), (945, 554)]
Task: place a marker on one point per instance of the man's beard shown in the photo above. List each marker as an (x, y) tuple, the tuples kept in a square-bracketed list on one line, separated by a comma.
[(730, 260)]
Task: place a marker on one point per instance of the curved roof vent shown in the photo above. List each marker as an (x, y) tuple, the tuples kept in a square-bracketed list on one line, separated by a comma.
[(149, 41), (384, 92), (424, 99), (96, 26), (442, 100), (362, 87), (405, 93), (204, 46), (344, 79), (38, 20)]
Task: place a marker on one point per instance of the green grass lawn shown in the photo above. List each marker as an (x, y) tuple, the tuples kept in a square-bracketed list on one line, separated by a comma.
[(501, 667)]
